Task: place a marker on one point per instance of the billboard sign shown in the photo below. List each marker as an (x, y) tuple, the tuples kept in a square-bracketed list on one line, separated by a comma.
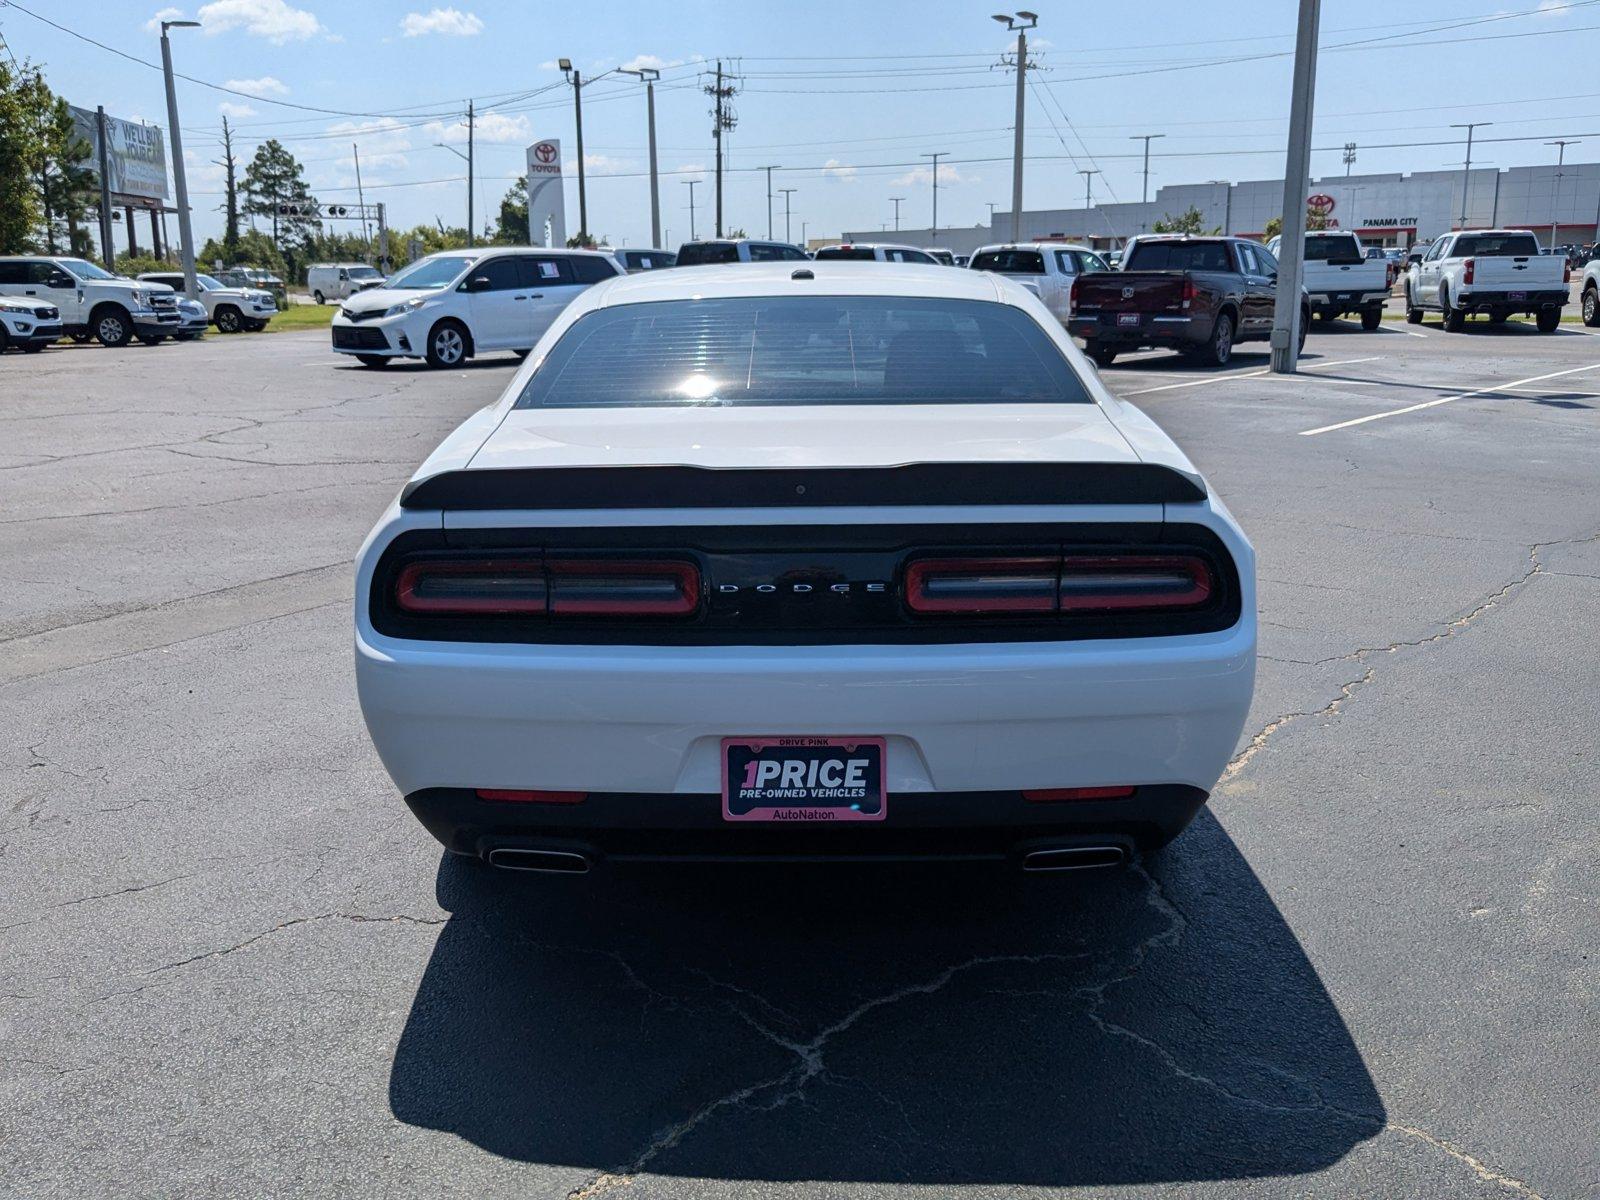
[(136, 156), (547, 198)]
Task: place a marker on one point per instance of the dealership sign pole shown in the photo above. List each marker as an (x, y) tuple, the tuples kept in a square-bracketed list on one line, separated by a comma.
[(1296, 182)]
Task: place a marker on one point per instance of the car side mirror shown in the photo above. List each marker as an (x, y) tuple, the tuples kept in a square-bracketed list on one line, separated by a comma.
[(60, 281), (478, 283)]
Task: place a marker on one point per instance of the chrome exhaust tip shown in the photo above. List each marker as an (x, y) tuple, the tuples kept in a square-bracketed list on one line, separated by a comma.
[(553, 862), (1074, 858)]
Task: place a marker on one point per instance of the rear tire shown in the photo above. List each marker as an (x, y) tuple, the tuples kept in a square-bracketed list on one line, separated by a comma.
[(1548, 320), (318, 297), (1371, 318), (1454, 319), (447, 344), (1103, 356), (1591, 307), (373, 360), (1219, 347)]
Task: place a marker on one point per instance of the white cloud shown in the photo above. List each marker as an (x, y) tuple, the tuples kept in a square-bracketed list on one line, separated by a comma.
[(153, 25), (229, 108), (490, 127), (450, 22), (655, 63), (604, 163), (838, 170), (923, 175), (274, 20), (692, 171), (383, 142), (265, 86)]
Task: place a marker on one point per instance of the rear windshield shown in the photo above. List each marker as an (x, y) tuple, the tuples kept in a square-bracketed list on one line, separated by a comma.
[(648, 260), (1009, 262), (694, 254), (1495, 245), (803, 350), (1323, 248), (853, 253), (1178, 256)]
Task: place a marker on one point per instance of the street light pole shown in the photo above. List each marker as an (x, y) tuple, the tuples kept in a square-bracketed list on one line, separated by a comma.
[(689, 183), (934, 232), (1020, 24), (787, 192), (769, 170), (1144, 195), (471, 130), (1555, 203), (191, 287), (575, 77), (649, 75), (1291, 257), (1466, 171), (895, 200)]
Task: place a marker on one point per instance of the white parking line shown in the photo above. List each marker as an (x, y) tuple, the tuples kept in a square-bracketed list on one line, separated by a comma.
[(1167, 387), (1411, 408), (1408, 333), (1341, 362)]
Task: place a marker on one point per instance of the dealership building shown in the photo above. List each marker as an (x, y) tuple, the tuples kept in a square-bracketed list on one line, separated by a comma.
[(1385, 210)]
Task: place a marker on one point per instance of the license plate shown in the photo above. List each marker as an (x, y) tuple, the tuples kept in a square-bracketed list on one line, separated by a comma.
[(1517, 295), (1128, 319), (803, 779), (1342, 296)]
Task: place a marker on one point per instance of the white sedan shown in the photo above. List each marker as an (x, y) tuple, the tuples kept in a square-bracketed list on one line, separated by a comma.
[(779, 562)]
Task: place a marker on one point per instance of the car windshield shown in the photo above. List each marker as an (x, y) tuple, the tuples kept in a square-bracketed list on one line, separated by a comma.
[(206, 282), (84, 269), (431, 273), (1331, 248), (862, 253), (1010, 262), (1177, 256), (364, 273), (816, 350), (1495, 245)]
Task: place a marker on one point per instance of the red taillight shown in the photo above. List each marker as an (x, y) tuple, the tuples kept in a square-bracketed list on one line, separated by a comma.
[(518, 796), (1466, 270), (1071, 584), (1566, 272), (1073, 295), (1189, 293), (600, 587), (1057, 795)]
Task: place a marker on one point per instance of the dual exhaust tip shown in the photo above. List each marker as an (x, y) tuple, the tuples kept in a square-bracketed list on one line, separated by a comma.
[(573, 862)]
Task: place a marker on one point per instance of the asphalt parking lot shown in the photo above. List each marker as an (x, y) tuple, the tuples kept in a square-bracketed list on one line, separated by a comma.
[(234, 964)]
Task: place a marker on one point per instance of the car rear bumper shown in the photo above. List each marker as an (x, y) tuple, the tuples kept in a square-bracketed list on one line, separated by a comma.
[(1154, 329), (1533, 298), (1338, 302)]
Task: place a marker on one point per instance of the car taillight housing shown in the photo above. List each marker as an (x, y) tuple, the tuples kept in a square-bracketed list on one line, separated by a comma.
[(1189, 294), (1467, 268), (1073, 293), (547, 587), (1065, 584)]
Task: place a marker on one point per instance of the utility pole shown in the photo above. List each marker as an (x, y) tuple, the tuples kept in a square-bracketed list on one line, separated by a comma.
[(895, 200), (470, 130), (722, 121), (787, 192), (191, 287), (1291, 256), (1349, 157), (1555, 203), (649, 75), (769, 171), (933, 233), (361, 199), (577, 114), (1088, 194), (1466, 171), (383, 239), (1020, 24), (1144, 195), (689, 183)]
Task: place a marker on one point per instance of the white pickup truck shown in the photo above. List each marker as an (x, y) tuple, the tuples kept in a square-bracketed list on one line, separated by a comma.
[(93, 302), (1046, 269), (1494, 271), (1340, 279)]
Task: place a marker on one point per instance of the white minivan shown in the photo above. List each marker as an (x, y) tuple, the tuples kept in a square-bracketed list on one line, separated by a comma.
[(451, 306), (340, 281)]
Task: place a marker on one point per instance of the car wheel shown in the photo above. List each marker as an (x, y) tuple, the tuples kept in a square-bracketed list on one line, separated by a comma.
[(229, 319), (1103, 355), (1413, 313), (373, 360), (1454, 319), (1548, 320), (1219, 348), (1591, 307), (112, 326), (318, 297), (1371, 318), (5, 339), (1305, 322), (447, 344)]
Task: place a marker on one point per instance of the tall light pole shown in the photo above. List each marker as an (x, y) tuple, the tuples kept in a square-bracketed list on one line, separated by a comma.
[(689, 183), (1555, 203), (769, 170), (1296, 179), (1466, 171), (1146, 138), (896, 201), (788, 192), (467, 158), (1020, 24), (191, 287), (933, 234), (649, 75)]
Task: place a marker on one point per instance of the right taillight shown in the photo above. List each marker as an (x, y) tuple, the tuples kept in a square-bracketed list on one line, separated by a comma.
[(1072, 583)]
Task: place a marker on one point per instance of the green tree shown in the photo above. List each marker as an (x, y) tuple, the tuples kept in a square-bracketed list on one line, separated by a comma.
[(1192, 221), (255, 249), (275, 178), (21, 155), (1315, 219), (430, 239), (511, 229)]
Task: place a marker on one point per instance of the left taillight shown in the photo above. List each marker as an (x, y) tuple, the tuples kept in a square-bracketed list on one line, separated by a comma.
[(1072, 583), (553, 587)]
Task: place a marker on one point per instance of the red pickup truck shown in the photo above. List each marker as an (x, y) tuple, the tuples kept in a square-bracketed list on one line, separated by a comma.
[(1198, 295)]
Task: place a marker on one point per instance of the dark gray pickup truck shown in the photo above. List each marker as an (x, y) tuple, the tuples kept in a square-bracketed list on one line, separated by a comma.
[(1198, 295)]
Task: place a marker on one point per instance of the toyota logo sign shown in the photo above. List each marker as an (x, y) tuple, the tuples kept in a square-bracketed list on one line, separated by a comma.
[(546, 153), (1321, 203)]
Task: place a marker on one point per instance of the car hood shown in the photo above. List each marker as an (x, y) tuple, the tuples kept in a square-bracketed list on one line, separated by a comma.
[(802, 437), (379, 298)]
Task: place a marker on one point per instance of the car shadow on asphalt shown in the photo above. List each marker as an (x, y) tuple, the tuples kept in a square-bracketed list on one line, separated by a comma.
[(915, 1025)]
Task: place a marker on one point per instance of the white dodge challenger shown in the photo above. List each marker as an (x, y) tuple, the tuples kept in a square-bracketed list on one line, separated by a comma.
[(806, 562)]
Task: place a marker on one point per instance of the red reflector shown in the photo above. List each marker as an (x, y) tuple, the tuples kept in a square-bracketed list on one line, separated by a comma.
[(488, 586), (618, 587), (514, 796), (1052, 795), (980, 585)]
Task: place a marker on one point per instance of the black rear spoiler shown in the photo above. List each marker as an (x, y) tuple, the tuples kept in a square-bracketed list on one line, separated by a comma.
[(705, 487)]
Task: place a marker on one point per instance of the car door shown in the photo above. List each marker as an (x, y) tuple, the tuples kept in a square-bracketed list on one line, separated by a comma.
[(46, 281), (1428, 272), (1260, 292), (497, 304), (551, 284)]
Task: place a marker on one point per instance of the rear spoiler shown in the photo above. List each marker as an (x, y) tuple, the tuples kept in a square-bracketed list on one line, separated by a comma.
[(705, 487)]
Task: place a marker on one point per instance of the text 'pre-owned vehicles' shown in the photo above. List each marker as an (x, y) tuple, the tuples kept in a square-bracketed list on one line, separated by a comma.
[(92, 301), (340, 281), (1046, 269), (230, 309), (28, 326), (1495, 271), (1341, 277), (822, 561), (1198, 295), (875, 252), (451, 306), (737, 250)]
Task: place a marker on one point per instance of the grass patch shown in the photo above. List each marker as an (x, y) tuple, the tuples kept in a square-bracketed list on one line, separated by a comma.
[(303, 316)]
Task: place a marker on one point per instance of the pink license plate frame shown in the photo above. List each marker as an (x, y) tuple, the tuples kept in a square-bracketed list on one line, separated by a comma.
[(829, 769)]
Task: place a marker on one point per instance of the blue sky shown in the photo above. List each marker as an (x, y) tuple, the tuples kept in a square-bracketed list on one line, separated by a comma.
[(845, 97)]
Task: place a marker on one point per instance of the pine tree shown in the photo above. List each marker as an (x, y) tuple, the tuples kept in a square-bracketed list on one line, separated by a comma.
[(273, 178), (230, 206)]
